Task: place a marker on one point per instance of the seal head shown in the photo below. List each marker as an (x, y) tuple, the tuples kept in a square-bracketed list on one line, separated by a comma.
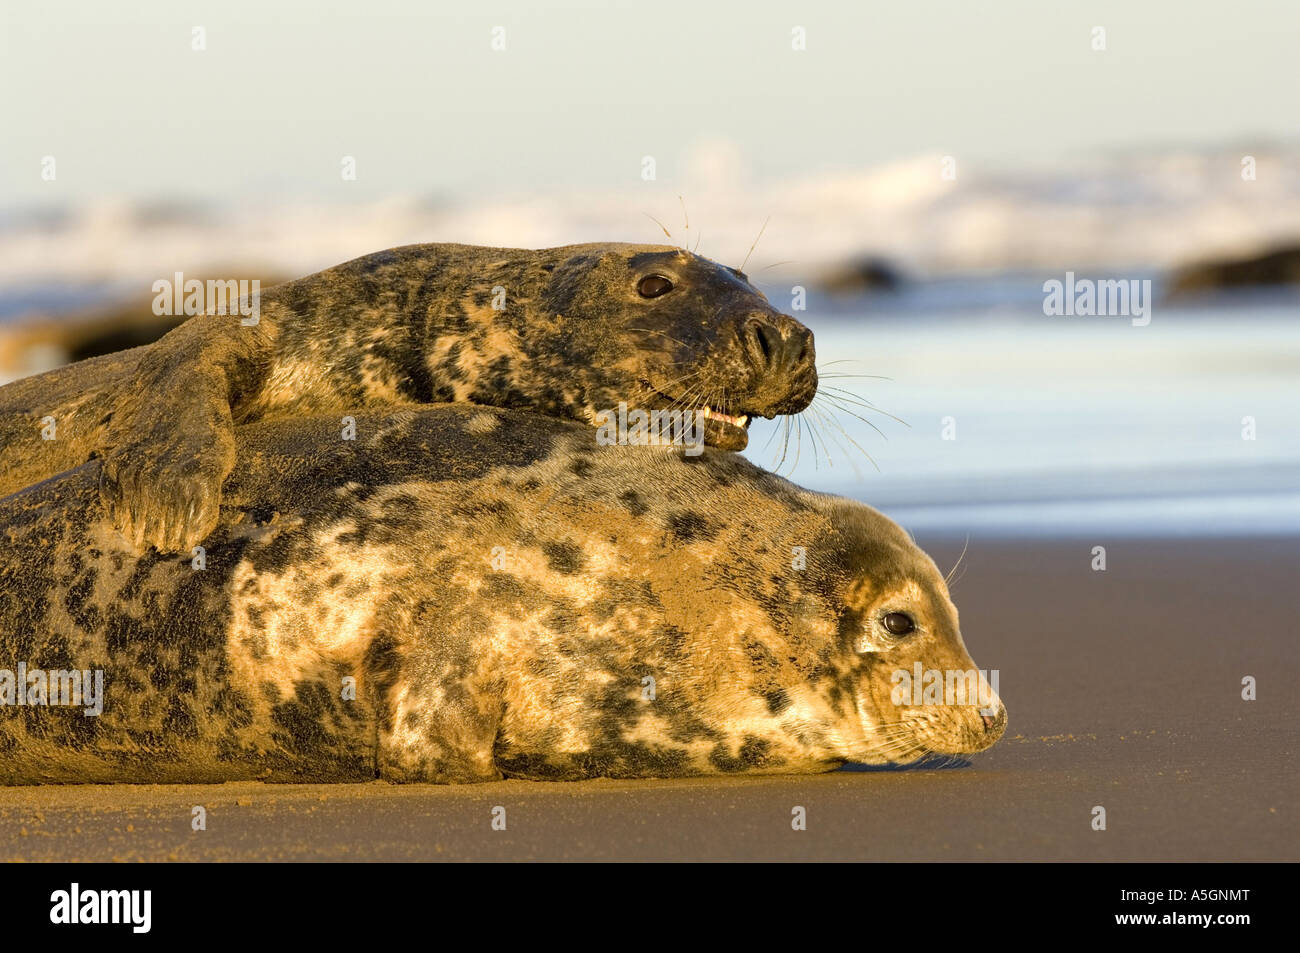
[(915, 687), (661, 328)]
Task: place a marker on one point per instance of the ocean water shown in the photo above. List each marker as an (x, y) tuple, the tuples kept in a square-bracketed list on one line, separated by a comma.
[(1012, 422)]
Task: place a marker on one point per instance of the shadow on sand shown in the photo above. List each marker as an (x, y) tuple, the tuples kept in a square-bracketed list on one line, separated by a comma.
[(931, 762)]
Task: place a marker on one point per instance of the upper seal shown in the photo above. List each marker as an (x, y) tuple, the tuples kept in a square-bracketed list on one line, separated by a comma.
[(566, 332)]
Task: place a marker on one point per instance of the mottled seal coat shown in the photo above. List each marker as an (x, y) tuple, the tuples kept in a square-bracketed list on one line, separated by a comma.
[(502, 589), (566, 332)]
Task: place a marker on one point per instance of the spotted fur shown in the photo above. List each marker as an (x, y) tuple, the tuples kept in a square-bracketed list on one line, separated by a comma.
[(502, 590), (559, 331)]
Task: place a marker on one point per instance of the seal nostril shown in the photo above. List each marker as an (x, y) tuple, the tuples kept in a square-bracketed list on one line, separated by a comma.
[(798, 346), (763, 342), (766, 342)]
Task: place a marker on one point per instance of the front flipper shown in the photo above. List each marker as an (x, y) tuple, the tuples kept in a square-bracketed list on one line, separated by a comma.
[(163, 488), (170, 443)]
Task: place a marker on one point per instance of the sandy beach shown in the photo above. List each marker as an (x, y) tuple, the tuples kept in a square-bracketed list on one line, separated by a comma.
[(1123, 687)]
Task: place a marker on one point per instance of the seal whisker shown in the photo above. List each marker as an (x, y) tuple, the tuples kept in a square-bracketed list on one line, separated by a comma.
[(785, 444), (791, 430), (798, 441), (646, 385), (772, 436), (682, 401), (849, 397), (830, 414), (827, 438), (752, 247), (947, 580), (815, 426), (660, 224), (822, 375), (830, 399), (822, 365), (662, 334), (651, 391), (834, 402)]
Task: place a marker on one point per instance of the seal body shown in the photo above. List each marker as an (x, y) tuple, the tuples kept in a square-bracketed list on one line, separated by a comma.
[(567, 332), (462, 594)]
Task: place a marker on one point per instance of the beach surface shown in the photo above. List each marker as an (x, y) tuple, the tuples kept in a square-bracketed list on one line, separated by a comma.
[(1123, 687)]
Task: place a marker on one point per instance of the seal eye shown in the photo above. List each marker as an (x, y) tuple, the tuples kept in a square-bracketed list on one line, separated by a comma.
[(652, 286), (899, 623)]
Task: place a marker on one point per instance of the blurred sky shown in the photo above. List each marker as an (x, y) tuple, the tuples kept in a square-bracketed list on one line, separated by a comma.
[(585, 89)]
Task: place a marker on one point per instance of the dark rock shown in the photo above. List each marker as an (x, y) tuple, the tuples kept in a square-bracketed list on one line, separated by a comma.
[(862, 275), (1281, 266)]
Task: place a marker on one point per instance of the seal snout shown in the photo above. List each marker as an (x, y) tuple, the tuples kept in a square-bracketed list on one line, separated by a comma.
[(781, 352), (774, 348), (994, 724)]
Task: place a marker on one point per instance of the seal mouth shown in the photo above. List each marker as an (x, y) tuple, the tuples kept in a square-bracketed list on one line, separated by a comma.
[(708, 413), (722, 429), (725, 431)]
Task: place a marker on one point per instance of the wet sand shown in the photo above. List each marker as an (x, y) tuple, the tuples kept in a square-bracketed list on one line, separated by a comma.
[(1123, 687)]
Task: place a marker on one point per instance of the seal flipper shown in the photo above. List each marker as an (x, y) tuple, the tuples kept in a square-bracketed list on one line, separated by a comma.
[(171, 441)]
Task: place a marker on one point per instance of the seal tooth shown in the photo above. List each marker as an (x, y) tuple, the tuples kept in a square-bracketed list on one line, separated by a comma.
[(708, 413)]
